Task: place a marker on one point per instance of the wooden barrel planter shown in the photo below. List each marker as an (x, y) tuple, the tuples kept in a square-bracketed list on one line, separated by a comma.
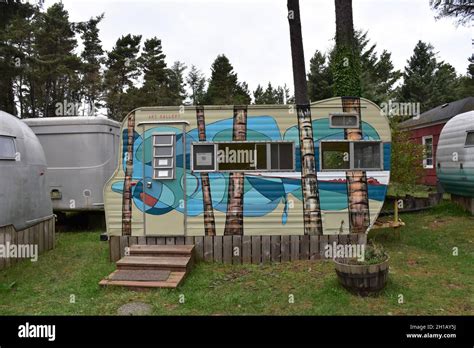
[(362, 279)]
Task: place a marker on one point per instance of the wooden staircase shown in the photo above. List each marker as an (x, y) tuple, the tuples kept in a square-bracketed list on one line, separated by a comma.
[(152, 266)]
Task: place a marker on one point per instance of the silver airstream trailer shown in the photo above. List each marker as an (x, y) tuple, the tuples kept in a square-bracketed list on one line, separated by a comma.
[(455, 159), (26, 216), (81, 153)]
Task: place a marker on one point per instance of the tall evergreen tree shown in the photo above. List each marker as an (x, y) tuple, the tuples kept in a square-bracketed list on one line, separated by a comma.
[(224, 87), (15, 33), (319, 77), (176, 84), (258, 95), (418, 76), (197, 83), (122, 70), (155, 73), (58, 65), (92, 59)]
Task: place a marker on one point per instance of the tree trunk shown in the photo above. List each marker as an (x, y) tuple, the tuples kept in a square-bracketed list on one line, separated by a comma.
[(127, 184), (348, 83), (234, 221), (309, 181), (209, 220), (358, 196), (344, 23)]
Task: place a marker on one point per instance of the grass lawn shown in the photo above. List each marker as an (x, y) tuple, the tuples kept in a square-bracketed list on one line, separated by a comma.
[(423, 270)]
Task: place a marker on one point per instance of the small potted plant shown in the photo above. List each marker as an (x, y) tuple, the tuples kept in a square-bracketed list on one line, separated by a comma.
[(365, 275)]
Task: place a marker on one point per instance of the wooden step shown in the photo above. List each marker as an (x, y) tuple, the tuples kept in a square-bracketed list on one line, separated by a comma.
[(173, 281), (161, 250), (171, 263)]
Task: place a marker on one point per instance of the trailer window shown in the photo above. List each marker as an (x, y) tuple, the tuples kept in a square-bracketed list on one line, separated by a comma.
[(243, 156), (350, 155), (428, 152), (470, 138), (367, 155), (164, 148), (344, 120), (7, 148), (335, 155)]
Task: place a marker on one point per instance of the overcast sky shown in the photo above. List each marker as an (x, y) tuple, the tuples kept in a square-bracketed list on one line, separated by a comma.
[(254, 34)]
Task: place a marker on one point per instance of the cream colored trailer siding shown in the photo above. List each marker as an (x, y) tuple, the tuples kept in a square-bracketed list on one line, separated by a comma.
[(271, 223)]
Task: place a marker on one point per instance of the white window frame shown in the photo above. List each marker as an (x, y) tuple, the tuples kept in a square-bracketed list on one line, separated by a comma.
[(423, 140)]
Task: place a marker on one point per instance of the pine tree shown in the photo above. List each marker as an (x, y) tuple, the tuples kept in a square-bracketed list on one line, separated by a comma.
[(155, 73), (92, 58), (418, 75), (258, 95), (197, 83), (57, 74), (176, 84), (224, 87), (319, 77), (445, 85), (15, 34), (122, 70)]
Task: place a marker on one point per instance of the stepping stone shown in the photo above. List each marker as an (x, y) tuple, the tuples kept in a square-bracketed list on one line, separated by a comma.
[(135, 308)]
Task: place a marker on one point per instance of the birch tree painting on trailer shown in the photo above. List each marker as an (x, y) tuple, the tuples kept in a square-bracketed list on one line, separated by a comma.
[(234, 223), (309, 180), (209, 220)]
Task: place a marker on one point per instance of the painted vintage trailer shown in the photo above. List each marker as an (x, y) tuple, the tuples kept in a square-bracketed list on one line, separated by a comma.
[(81, 153), (177, 176), (26, 215), (455, 159)]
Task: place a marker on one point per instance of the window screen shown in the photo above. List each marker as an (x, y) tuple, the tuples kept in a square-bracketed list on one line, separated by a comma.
[(344, 120), (470, 138), (164, 147), (243, 156), (367, 155), (7, 148)]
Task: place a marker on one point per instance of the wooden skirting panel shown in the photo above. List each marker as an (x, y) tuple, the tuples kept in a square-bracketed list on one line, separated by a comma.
[(41, 234), (243, 249)]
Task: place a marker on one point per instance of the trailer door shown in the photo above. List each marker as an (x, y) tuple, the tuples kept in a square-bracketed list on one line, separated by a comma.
[(164, 178)]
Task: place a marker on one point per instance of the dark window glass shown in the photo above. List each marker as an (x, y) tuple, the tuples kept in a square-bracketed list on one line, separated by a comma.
[(275, 156), (470, 139), (286, 156), (367, 155), (262, 156)]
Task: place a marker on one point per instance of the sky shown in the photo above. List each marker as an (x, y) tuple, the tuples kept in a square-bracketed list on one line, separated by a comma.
[(254, 34)]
